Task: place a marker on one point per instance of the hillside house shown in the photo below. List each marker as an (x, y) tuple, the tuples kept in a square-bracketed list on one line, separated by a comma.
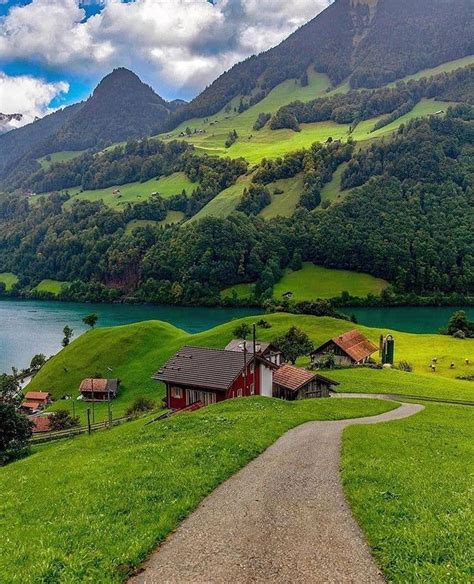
[(98, 389), (41, 424), (265, 350), (351, 348), (208, 376), (35, 401), (292, 383)]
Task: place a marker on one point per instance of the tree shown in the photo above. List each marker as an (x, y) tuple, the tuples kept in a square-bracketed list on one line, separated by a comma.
[(37, 362), (460, 323), (293, 344), (141, 405), (68, 333), (62, 420), (9, 389), (15, 431), (243, 331), (90, 320)]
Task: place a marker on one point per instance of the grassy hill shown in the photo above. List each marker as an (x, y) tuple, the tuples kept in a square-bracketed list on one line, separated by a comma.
[(64, 156), (313, 282), (9, 279), (133, 353), (49, 286), (118, 196)]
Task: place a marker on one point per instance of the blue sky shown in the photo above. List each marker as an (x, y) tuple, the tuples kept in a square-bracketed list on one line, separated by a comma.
[(54, 52)]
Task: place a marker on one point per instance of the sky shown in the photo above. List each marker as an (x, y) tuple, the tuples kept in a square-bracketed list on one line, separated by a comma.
[(54, 52)]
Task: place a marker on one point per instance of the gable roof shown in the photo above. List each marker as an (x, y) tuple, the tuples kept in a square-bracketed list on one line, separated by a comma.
[(36, 396), (354, 344), (98, 385), (237, 345), (205, 368), (294, 378)]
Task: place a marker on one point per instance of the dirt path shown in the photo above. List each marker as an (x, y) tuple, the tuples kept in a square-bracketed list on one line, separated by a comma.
[(281, 519)]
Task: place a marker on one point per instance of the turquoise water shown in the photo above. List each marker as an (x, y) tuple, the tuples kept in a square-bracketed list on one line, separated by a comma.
[(408, 319), (28, 327)]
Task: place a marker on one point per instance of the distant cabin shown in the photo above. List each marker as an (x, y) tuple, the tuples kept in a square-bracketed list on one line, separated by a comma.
[(266, 350), (98, 389), (292, 383), (351, 348), (35, 401)]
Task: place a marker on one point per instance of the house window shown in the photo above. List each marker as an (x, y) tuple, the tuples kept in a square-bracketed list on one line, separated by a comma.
[(176, 393), (205, 397)]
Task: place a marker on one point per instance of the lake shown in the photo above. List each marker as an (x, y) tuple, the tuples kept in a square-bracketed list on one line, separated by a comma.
[(28, 327)]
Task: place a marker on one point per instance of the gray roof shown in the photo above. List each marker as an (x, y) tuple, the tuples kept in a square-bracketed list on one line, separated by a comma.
[(238, 345), (204, 368)]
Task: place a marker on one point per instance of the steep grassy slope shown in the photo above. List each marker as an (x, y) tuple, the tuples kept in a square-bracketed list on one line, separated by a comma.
[(64, 156), (408, 483), (49, 286), (113, 496), (133, 353), (284, 203)]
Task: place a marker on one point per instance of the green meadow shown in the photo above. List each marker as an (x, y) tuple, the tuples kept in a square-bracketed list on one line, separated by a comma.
[(315, 282), (332, 191), (284, 203), (118, 196), (9, 279), (409, 484), (49, 286), (64, 156)]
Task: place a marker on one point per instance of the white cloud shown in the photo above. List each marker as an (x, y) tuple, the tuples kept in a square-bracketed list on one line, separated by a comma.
[(180, 44), (27, 96)]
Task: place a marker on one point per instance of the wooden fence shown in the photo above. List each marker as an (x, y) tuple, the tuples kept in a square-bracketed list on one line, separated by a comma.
[(42, 437)]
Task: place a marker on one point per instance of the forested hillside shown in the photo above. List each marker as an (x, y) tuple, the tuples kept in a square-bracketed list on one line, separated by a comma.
[(409, 222), (369, 42)]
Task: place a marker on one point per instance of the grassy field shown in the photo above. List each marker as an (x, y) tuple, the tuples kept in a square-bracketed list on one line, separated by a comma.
[(9, 279), (444, 68), (135, 192), (91, 509), (64, 156), (312, 282), (50, 286), (284, 204), (410, 487), (135, 352), (332, 191)]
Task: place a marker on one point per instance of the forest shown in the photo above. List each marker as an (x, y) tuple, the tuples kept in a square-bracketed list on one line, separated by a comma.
[(408, 220)]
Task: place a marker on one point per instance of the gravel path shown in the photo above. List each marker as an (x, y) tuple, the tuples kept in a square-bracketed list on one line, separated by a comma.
[(281, 519)]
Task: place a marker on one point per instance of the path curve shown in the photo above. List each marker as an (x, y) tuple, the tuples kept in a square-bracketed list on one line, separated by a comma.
[(283, 518)]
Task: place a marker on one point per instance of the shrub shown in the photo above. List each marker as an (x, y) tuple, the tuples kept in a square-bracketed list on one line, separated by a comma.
[(15, 431), (141, 405), (62, 420), (242, 331)]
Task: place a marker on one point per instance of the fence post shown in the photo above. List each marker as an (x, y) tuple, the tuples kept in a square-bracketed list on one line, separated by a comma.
[(88, 420)]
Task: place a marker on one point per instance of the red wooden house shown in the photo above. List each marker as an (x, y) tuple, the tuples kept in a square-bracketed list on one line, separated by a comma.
[(35, 401), (197, 374), (351, 348)]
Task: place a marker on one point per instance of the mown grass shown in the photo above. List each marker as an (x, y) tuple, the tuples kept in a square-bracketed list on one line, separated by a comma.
[(313, 282), (9, 279), (49, 286), (90, 510), (134, 352), (166, 186), (410, 487), (225, 202), (332, 191), (284, 204), (63, 156)]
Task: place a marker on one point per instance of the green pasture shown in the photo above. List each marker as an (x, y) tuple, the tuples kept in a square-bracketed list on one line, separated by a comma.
[(64, 156), (284, 204), (49, 286), (9, 279)]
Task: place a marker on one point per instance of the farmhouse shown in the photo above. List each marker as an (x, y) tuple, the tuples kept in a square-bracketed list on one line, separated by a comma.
[(265, 350), (351, 348), (292, 383), (98, 389), (208, 376), (35, 401)]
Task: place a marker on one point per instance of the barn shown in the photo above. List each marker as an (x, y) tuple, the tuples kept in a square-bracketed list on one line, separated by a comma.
[(35, 401), (292, 383), (98, 389), (208, 376), (351, 348)]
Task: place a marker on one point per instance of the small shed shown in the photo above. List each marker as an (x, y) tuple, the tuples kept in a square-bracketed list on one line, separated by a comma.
[(35, 401), (98, 389), (41, 424), (292, 383), (351, 348)]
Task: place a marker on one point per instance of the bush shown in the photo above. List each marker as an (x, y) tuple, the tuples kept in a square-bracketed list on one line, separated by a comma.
[(243, 331), (15, 431), (62, 420), (141, 405)]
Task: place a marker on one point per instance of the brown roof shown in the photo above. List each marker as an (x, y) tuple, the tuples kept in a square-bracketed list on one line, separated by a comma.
[(41, 424), (205, 368), (294, 378), (98, 385), (354, 344), (36, 396), (31, 405)]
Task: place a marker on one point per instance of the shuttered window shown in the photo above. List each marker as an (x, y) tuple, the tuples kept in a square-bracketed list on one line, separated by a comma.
[(193, 396)]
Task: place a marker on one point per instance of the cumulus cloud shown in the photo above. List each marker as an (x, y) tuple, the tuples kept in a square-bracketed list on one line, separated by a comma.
[(27, 96), (180, 44)]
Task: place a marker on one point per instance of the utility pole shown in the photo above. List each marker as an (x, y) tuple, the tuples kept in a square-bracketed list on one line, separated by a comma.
[(93, 401), (109, 405), (254, 390), (245, 367), (88, 420)]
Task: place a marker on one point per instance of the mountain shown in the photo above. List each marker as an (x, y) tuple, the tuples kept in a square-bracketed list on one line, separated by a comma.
[(367, 42), (6, 119), (121, 108)]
